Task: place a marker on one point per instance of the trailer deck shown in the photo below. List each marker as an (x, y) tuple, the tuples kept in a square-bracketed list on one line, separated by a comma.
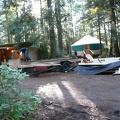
[(37, 67)]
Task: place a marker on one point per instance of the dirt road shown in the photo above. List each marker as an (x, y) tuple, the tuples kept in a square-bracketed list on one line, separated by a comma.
[(70, 96)]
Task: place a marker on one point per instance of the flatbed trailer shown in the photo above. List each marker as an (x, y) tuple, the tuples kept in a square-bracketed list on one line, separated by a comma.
[(37, 67)]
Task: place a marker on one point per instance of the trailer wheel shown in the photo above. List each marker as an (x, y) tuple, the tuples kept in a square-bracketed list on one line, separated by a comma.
[(36, 74), (57, 68), (66, 66)]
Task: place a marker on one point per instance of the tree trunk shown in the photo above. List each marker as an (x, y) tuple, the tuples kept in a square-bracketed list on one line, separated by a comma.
[(7, 20), (59, 26), (114, 41), (51, 30), (41, 20), (105, 31), (99, 32)]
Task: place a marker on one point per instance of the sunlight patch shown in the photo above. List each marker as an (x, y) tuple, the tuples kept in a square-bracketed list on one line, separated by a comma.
[(51, 91)]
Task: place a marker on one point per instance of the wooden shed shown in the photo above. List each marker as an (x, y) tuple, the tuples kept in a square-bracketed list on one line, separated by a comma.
[(9, 51)]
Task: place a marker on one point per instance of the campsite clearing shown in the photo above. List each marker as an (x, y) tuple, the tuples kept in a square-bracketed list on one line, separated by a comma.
[(71, 96)]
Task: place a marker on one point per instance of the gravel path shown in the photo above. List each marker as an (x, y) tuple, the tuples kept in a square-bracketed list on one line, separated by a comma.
[(71, 96)]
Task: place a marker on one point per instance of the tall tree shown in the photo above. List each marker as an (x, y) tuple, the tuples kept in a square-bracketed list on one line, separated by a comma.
[(58, 21), (114, 49), (109, 16), (51, 29), (7, 7)]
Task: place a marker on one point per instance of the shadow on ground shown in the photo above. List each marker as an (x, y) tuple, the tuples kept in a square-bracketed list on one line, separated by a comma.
[(70, 96)]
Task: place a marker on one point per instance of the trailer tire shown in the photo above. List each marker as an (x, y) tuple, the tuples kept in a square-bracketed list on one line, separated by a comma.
[(66, 66), (57, 68)]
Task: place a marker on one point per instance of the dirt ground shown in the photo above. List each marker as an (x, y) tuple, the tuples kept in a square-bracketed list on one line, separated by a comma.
[(71, 96)]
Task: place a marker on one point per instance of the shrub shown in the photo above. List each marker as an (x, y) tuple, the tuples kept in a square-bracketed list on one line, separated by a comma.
[(15, 104)]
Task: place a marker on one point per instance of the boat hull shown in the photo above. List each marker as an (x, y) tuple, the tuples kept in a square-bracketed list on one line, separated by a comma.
[(93, 69)]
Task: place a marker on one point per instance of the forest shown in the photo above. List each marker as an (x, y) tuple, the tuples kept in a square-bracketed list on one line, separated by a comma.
[(53, 25)]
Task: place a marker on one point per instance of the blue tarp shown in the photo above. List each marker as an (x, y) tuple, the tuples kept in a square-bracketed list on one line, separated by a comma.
[(97, 69)]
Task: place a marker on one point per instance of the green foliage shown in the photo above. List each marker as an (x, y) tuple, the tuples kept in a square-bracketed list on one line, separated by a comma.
[(43, 49), (14, 104), (60, 53), (23, 27)]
